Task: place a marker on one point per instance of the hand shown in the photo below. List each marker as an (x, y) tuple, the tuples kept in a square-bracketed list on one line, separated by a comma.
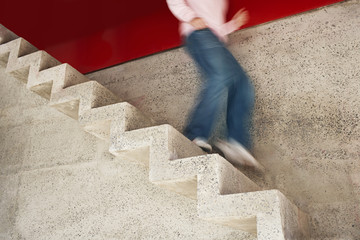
[(241, 18), (198, 23)]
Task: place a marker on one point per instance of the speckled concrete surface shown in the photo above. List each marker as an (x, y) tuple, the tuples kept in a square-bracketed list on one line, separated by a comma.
[(222, 191), (85, 101), (113, 120), (54, 79), (76, 100), (305, 128), (59, 182), (241, 201), (306, 74)]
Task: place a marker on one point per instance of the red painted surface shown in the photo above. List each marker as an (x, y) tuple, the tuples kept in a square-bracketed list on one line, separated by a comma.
[(92, 35)]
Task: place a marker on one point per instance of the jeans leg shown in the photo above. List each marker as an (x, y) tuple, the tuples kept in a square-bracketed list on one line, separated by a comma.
[(202, 119), (222, 73), (206, 50), (239, 110)]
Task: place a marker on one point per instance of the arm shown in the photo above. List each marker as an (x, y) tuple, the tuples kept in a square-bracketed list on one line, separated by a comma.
[(239, 19)]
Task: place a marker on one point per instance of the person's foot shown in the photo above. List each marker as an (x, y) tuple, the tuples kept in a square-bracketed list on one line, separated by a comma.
[(202, 143), (237, 154)]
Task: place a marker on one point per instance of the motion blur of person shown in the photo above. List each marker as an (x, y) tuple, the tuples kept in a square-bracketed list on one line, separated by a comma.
[(204, 30)]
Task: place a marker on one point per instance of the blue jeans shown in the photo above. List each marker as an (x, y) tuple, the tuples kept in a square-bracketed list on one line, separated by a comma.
[(221, 73)]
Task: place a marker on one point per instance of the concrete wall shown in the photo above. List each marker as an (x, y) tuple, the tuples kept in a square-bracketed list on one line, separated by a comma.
[(58, 182), (306, 121)]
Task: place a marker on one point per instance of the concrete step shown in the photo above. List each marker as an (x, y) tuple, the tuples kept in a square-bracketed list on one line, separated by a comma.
[(61, 84), (53, 80), (76, 100), (6, 35), (228, 197), (224, 194), (23, 59), (113, 120), (154, 146), (37, 68), (15, 48)]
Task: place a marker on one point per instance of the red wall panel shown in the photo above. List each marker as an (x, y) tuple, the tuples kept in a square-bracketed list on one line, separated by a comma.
[(92, 35)]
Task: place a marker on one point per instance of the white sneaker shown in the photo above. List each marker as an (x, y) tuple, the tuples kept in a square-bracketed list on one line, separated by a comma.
[(202, 143), (236, 154)]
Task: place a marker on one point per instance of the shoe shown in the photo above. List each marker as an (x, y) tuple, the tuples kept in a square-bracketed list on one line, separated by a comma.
[(202, 143), (237, 155)]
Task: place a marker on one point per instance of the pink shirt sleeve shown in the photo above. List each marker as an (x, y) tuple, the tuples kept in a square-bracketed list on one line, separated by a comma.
[(228, 28), (181, 10)]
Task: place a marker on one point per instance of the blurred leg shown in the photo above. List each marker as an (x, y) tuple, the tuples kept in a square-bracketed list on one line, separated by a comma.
[(206, 49), (239, 109), (221, 73)]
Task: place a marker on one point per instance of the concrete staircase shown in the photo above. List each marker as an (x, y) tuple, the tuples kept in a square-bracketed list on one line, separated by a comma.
[(224, 194)]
